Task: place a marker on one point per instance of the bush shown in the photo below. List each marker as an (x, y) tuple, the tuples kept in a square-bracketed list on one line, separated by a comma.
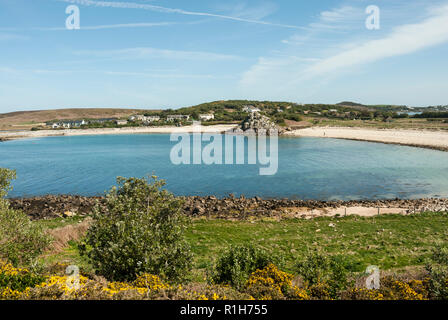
[(17, 279), (271, 283), (323, 274), (234, 265), (21, 241), (437, 269), (6, 176), (141, 231)]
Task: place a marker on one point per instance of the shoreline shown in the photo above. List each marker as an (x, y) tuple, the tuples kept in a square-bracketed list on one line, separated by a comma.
[(436, 140), (14, 135), (231, 208)]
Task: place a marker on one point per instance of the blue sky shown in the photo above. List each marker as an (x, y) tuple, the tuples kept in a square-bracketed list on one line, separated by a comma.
[(172, 53)]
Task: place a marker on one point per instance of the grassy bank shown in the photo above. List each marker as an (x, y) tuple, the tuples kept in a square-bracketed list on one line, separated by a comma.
[(388, 241)]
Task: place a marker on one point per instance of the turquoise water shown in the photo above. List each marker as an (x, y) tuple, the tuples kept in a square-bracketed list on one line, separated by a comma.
[(309, 168)]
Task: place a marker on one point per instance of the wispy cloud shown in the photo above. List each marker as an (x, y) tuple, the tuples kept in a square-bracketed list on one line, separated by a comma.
[(132, 5), (402, 40), (244, 10), (112, 26), (11, 36), (144, 53), (144, 74), (339, 14)]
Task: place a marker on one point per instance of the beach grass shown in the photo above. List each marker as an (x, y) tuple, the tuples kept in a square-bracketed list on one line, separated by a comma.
[(392, 242)]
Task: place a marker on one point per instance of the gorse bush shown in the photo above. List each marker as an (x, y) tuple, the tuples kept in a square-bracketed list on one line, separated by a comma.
[(234, 265), (21, 241), (141, 231), (17, 279), (437, 268), (327, 275)]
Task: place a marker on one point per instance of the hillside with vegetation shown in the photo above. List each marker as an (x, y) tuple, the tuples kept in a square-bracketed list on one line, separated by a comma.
[(285, 114)]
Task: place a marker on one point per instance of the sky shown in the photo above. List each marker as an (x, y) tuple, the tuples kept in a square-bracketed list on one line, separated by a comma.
[(156, 54)]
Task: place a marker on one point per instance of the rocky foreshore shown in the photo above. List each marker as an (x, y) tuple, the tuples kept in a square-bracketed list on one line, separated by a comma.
[(52, 206)]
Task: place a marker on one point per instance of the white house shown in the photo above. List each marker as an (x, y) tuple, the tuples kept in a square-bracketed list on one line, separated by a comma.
[(207, 117), (177, 117), (137, 117), (152, 118), (251, 109)]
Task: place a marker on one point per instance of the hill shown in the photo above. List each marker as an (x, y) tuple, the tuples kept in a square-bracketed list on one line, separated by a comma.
[(27, 119)]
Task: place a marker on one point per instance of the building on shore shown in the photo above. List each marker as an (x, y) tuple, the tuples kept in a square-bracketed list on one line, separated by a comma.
[(251, 109), (67, 124), (178, 117), (206, 117), (121, 122), (143, 118)]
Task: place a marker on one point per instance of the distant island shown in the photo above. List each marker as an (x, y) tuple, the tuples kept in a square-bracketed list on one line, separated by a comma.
[(284, 114), (421, 127)]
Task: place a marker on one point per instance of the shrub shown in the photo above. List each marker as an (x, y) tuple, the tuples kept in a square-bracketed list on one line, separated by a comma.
[(21, 241), (324, 275), (6, 176), (234, 265), (141, 231), (393, 289), (17, 279), (437, 269), (273, 284)]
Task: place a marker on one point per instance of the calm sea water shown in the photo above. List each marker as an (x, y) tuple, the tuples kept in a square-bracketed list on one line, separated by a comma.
[(309, 168)]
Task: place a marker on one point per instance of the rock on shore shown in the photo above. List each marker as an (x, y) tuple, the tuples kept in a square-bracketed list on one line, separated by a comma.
[(51, 206)]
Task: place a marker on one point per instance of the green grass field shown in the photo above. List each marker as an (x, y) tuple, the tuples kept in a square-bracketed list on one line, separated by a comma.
[(392, 242)]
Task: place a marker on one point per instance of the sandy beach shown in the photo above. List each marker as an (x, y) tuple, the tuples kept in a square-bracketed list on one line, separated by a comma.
[(11, 135), (417, 138)]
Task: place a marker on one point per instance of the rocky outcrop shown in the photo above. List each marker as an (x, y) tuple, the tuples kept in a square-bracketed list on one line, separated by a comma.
[(255, 123), (227, 208)]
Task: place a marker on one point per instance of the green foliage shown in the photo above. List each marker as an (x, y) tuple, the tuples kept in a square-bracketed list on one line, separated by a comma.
[(6, 175), (142, 230), (319, 270), (235, 265), (435, 115), (293, 117), (437, 268), (18, 280), (21, 241)]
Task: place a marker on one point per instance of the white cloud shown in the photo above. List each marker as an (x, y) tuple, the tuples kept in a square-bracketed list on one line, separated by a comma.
[(114, 26), (402, 40), (339, 14), (144, 53), (132, 5), (252, 12)]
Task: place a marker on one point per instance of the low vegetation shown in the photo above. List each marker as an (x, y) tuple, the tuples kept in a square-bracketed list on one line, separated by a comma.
[(21, 241)]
